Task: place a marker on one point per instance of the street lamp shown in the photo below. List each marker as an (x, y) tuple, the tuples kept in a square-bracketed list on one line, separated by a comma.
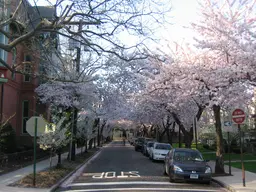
[(2, 79)]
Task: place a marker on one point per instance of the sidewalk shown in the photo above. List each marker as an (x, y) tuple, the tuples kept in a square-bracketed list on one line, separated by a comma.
[(14, 176), (234, 183)]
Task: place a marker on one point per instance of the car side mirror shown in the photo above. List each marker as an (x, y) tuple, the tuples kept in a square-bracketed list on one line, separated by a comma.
[(207, 160)]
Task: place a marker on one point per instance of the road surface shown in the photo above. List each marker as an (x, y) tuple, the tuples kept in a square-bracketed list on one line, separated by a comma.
[(121, 168)]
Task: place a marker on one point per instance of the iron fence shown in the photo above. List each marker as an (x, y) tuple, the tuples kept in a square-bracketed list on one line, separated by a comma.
[(20, 158)]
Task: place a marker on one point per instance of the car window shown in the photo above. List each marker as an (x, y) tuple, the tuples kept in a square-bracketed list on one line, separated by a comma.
[(150, 144), (187, 156), (163, 146)]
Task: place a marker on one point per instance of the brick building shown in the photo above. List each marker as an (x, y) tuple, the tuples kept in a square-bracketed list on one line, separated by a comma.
[(17, 96)]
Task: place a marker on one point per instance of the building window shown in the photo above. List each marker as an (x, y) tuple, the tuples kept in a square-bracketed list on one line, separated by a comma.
[(27, 68), (25, 110)]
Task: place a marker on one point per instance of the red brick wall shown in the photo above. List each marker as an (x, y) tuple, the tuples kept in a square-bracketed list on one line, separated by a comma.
[(15, 92)]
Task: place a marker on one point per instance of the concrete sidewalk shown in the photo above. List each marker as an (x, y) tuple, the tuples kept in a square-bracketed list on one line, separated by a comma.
[(14, 176), (234, 183)]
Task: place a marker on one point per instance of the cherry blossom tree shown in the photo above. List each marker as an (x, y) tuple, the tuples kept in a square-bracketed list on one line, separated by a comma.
[(85, 131), (227, 44), (56, 138)]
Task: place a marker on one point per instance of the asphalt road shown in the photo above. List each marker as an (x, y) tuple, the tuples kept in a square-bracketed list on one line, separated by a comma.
[(121, 168)]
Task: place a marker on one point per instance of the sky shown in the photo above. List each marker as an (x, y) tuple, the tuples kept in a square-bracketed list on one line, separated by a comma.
[(183, 12)]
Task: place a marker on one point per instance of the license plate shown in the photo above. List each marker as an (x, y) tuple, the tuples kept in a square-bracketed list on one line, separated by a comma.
[(193, 176)]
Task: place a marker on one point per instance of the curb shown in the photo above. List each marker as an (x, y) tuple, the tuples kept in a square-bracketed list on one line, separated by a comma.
[(222, 184), (54, 187)]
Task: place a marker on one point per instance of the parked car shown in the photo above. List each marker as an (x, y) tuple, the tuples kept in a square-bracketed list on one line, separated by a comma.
[(187, 164), (139, 144), (133, 140), (144, 146), (147, 146), (159, 150)]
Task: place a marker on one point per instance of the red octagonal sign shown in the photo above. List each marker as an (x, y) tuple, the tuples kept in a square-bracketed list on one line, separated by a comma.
[(238, 116)]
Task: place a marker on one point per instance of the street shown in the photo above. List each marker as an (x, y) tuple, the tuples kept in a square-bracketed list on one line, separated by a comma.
[(121, 168)]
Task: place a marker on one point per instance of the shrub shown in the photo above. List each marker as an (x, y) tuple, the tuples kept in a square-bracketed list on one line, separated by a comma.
[(206, 146), (213, 146), (7, 139)]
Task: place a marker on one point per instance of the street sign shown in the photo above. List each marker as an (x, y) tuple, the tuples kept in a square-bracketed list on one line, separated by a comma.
[(41, 126), (238, 116), (227, 123)]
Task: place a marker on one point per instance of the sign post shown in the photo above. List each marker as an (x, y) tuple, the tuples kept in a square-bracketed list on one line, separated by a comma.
[(229, 159), (238, 117), (34, 169), (35, 126)]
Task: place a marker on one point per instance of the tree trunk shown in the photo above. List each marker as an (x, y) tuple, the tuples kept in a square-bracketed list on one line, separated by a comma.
[(161, 136), (74, 141), (98, 136), (59, 159), (171, 133), (188, 138), (86, 146), (101, 132), (219, 166), (179, 137), (90, 143), (51, 159), (168, 136)]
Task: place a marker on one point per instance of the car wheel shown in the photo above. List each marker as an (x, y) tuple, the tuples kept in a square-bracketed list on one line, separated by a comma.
[(171, 176)]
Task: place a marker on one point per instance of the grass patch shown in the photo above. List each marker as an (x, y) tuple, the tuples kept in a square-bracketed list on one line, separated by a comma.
[(49, 177), (248, 166), (44, 179), (193, 146), (233, 156)]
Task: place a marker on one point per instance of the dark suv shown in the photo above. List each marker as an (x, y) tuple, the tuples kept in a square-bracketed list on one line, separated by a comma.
[(187, 164), (139, 144)]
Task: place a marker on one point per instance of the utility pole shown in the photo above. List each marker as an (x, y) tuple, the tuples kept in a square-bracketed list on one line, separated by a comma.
[(74, 130)]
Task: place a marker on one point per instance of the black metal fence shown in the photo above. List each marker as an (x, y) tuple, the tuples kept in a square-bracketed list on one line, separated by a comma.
[(20, 159)]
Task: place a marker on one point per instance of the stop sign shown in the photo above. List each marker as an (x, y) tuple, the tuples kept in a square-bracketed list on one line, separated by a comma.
[(238, 116), (41, 126)]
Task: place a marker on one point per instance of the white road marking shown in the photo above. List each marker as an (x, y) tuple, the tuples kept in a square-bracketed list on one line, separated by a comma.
[(126, 183), (80, 170), (134, 174), (98, 176), (112, 174), (142, 189), (122, 175)]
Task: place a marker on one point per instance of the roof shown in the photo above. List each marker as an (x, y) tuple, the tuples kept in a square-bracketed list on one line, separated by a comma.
[(163, 143), (36, 13)]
